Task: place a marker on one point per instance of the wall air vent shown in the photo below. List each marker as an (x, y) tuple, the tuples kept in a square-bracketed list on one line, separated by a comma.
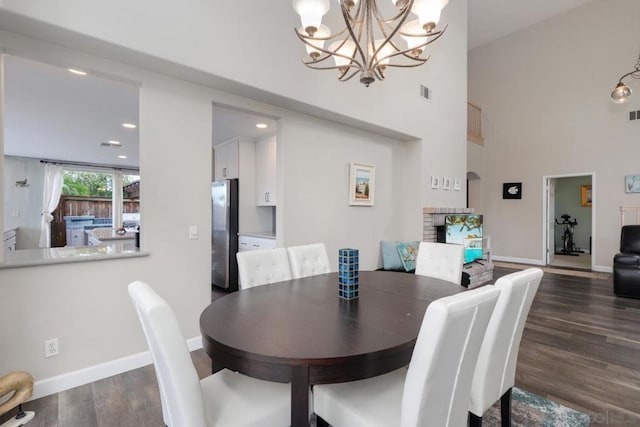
[(425, 93), (113, 144)]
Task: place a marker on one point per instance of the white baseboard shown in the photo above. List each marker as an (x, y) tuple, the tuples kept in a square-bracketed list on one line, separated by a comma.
[(518, 260), (88, 375), (603, 268)]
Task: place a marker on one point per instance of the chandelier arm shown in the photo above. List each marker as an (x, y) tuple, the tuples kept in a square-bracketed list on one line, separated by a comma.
[(306, 39), (332, 67), (406, 9), (404, 52), (347, 21), (342, 77), (379, 73), (402, 17), (328, 53), (635, 74), (417, 64)]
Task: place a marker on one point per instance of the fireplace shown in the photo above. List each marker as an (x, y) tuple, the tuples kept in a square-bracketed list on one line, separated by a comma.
[(433, 230)]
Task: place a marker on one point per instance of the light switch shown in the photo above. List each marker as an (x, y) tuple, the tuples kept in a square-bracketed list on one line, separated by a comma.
[(15, 213), (193, 232)]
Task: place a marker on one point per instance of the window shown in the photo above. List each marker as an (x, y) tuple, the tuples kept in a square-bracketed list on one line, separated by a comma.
[(94, 199)]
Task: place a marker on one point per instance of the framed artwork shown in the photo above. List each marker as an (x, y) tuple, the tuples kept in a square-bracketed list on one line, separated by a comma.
[(457, 184), (512, 190), (632, 184), (435, 181), (585, 196), (446, 183), (362, 179)]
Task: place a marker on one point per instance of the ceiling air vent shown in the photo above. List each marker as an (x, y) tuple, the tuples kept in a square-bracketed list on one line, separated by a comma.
[(425, 93)]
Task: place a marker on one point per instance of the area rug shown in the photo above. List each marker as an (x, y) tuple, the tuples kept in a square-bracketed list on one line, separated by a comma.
[(564, 271), (528, 409)]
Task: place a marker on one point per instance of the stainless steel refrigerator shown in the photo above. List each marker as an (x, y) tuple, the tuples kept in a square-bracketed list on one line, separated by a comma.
[(224, 238)]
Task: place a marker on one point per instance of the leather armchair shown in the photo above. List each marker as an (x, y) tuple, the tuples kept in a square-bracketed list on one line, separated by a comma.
[(626, 264)]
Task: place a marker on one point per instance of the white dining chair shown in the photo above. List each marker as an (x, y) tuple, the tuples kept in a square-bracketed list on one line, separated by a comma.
[(308, 260), (441, 261), (495, 372), (434, 390), (224, 399), (261, 267)]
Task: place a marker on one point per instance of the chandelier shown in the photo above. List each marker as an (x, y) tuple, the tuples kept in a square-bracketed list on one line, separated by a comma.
[(622, 92), (369, 42)]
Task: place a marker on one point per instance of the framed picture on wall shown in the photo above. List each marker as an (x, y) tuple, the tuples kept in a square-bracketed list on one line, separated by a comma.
[(446, 183), (512, 190), (632, 184), (585, 196), (362, 179), (435, 182)]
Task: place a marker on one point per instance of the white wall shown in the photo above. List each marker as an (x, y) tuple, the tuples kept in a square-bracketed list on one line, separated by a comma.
[(315, 173), (233, 40), (26, 202), (86, 305), (544, 94)]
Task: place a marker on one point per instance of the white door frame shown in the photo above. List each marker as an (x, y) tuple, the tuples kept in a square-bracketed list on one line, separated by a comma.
[(545, 196)]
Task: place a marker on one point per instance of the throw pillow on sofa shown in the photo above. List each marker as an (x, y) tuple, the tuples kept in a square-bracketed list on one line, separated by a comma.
[(390, 257), (408, 252)]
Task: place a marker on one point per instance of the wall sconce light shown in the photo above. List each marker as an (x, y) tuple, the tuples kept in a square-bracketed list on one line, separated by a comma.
[(622, 92)]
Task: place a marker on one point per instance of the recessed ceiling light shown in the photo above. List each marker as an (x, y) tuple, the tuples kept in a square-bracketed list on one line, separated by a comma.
[(122, 156), (78, 72), (261, 125), (129, 125)]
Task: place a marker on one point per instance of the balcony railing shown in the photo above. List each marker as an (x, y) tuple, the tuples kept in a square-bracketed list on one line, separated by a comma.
[(474, 124)]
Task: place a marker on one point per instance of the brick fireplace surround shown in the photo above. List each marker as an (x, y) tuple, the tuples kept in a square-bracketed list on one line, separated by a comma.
[(433, 217)]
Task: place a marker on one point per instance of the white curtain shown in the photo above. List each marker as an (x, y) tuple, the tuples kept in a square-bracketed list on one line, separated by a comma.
[(50, 197)]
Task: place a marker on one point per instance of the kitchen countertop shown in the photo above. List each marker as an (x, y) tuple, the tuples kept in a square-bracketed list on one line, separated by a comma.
[(68, 254), (259, 234), (106, 234)]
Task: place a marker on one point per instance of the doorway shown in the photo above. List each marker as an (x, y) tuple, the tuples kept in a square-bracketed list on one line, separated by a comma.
[(569, 220)]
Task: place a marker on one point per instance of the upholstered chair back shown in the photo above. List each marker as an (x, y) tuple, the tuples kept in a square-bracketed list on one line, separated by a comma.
[(180, 392), (441, 261), (261, 267), (436, 389), (308, 260), (496, 368), (630, 239)]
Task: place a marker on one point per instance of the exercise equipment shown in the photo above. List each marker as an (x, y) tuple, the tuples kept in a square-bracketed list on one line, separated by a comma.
[(568, 247), (21, 385)]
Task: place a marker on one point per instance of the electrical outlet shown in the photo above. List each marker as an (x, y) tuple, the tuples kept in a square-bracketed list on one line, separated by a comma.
[(51, 347)]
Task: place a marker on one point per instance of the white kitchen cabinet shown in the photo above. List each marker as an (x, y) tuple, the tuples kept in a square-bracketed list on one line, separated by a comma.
[(266, 171), (234, 159), (226, 160), (251, 243)]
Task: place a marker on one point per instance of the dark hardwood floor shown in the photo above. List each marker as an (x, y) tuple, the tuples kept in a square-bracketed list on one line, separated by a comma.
[(581, 348)]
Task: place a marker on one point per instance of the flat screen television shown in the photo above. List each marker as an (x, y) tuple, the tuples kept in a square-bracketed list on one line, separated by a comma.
[(465, 229)]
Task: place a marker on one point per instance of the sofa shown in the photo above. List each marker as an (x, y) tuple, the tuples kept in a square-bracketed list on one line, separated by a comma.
[(626, 263)]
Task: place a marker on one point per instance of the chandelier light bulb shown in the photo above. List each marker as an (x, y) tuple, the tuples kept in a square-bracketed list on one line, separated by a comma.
[(349, 4), (413, 33), (428, 12), (347, 49), (621, 93), (311, 13), (386, 50), (317, 42)]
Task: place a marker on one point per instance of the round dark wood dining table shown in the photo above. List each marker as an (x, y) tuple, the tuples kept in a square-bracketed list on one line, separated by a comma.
[(300, 332)]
